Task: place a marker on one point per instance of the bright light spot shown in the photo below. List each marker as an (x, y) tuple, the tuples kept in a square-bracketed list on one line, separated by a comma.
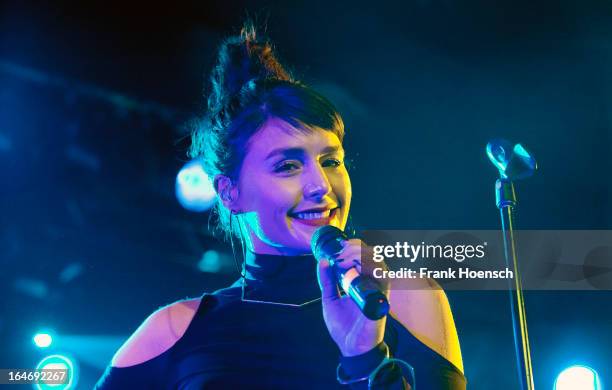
[(57, 362), (578, 378), (42, 340), (520, 150), (194, 189), (210, 262), (70, 272)]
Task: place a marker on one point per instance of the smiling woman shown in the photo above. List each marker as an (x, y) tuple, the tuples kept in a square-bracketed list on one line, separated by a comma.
[(274, 149), (291, 182)]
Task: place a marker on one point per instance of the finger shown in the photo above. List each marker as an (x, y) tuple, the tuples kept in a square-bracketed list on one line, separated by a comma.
[(348, 258), (351, 249), (354, 255), (327, 280), (357, 265), (356, 252)]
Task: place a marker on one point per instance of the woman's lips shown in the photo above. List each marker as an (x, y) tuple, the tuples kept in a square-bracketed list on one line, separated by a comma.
[(317, 221)]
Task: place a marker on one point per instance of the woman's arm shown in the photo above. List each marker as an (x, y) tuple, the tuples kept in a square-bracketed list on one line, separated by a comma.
[(423, 309)]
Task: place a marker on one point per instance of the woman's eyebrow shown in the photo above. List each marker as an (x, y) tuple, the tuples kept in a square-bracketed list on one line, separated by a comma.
[(287, 152), (331, 149), (298, 152)]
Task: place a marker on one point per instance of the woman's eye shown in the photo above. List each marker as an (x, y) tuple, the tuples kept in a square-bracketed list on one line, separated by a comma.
[(286, 167), (332, 162)]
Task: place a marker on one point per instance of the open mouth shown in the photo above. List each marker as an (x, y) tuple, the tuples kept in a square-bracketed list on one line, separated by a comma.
[(315, 218)]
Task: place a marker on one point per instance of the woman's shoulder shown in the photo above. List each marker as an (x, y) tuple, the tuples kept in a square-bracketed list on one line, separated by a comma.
[(158, 333)]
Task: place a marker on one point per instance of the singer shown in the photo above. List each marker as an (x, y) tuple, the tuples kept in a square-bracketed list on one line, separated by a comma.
[(274, 148)]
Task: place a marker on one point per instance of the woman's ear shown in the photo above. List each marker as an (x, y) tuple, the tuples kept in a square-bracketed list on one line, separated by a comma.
[(227, 191)]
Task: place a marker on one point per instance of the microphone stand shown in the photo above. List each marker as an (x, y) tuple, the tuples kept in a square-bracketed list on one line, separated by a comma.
[(513, 162), (506, 201)]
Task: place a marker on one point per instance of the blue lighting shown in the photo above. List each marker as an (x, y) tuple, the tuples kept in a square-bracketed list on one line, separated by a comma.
[(525, 156), (194, 189), (58, 362), (42, 340), (578, 378), (499, 151), (210, 262)]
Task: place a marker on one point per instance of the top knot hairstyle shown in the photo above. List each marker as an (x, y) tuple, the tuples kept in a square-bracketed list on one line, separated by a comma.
[(248, 86)]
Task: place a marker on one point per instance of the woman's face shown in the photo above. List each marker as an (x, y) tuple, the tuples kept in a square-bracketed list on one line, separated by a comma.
[(291, 183)]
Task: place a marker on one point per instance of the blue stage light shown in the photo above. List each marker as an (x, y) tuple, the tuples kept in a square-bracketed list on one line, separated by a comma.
[(42, 340), (58, 362), (578, 378), (210, 262), (194, 189)]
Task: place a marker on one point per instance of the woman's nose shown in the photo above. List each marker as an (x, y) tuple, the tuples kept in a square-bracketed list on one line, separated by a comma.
[(317, 185)]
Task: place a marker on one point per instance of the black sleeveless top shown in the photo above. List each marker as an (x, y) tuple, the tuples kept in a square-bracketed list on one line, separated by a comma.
[(235, 343)]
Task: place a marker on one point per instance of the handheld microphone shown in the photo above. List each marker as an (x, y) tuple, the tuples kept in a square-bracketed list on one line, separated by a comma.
[(326, 243)]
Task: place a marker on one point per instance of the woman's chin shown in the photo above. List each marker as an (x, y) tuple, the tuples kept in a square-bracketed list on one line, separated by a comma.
[(301, 231), (303, 236)]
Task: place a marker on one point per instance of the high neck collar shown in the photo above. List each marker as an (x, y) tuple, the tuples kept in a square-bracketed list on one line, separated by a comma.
[(277, 278), (269, 268)]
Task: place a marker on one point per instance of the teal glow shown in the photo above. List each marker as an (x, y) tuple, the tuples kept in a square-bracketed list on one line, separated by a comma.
[(210, 262), (57, 362), (520, 151), (91, 350), (498, 156), (194, 189), (42, 340), (578, 378), (499, 152), (512, 162)]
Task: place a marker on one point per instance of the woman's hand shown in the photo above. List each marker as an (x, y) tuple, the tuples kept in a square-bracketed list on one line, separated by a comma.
[(353, 332)]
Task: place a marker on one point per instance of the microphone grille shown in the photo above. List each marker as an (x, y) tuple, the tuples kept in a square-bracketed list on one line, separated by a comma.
[(321, 237)]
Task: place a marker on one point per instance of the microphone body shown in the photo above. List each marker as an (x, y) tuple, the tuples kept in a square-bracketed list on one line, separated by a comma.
[(326, 243)]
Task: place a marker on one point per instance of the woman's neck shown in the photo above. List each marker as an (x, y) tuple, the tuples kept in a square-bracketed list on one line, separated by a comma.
[(255, 245)]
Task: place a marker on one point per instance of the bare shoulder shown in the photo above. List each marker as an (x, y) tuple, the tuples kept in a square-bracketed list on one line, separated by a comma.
[(426, 313), (160, 331)]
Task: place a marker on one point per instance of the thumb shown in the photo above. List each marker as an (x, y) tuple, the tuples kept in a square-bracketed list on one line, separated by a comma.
[(327, 280)]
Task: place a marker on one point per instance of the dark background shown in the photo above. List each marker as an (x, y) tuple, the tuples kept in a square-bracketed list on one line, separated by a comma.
[(93, 104)]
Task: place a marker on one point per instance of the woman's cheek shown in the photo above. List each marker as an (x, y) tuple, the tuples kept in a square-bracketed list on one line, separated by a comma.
[(342, 185)]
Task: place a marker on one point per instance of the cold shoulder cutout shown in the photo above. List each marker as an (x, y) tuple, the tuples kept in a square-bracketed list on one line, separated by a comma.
[(158, 333)]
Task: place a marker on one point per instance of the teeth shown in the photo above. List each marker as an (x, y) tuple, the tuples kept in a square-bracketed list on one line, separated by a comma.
[(320, 215)]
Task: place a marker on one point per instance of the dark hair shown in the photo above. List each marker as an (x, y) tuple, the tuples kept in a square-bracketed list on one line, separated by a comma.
[(249, 86)]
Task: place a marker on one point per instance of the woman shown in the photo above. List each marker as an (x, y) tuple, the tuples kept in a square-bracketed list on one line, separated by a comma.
[(274, 148)]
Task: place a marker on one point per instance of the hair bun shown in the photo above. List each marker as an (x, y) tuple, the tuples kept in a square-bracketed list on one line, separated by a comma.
[(242, 60)]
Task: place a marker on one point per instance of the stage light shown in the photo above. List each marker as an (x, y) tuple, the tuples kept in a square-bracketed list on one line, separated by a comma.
[(578, 378), (42, 340), (58, 362), (210, 262), (194, 189)]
